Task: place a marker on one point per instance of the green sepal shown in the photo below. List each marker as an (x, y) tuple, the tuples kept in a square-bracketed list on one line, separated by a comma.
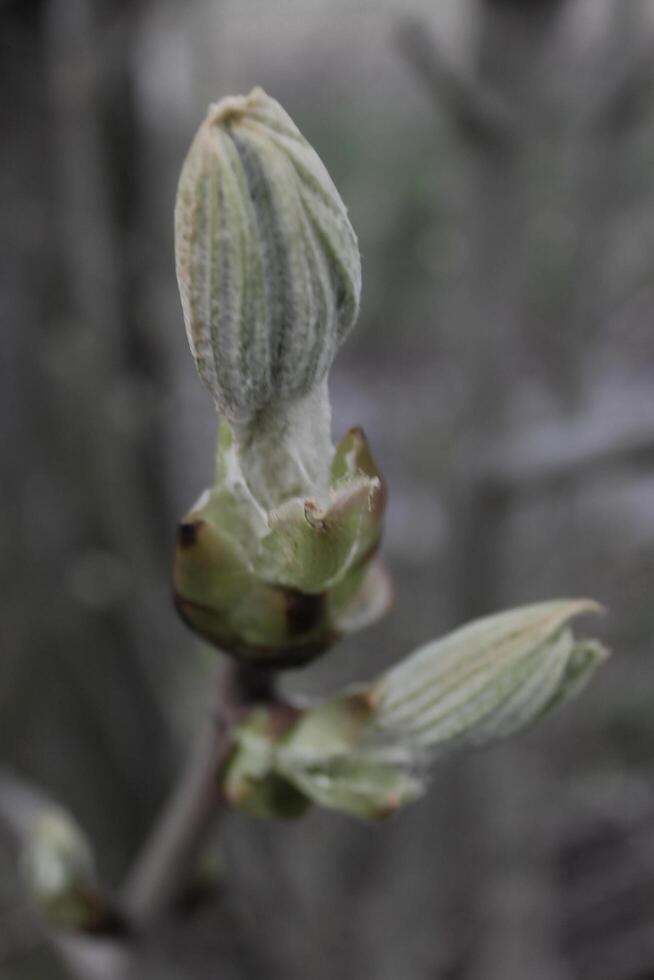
[(353, 458), (356, 785), (362, 597), (279, 774), (250, 781), (321, 756), (312, 549)]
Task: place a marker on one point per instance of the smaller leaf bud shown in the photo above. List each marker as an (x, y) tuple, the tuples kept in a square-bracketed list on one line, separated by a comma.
[(59, 872), (279, 587), (367, 750), (267, 261), (486, 680)]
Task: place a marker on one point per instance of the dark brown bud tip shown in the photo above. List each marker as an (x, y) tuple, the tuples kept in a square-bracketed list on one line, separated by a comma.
[(187, 533)]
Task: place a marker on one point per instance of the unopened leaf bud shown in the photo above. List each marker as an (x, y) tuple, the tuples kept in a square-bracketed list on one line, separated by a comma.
[(267, 261), (59, 871), (486, 680)]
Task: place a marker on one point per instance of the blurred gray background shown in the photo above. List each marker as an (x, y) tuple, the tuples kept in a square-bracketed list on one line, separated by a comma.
[(497, 159)]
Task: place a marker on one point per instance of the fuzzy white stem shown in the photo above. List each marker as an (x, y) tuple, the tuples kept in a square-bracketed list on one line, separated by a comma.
[(286, 452)]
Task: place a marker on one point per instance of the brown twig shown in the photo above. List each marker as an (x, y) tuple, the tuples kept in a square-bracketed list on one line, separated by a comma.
[(163, 867)]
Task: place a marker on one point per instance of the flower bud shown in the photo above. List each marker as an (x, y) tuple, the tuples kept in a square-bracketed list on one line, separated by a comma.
[(267, 261)]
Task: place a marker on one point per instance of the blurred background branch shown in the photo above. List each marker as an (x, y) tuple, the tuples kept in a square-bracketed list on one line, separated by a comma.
[(477, 113)]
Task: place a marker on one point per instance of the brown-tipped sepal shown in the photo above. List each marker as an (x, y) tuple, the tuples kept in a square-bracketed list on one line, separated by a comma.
[(220, 596), (279, 772), (281, 588)]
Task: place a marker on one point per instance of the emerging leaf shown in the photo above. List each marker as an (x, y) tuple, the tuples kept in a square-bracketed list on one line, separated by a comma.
[(485, 680), (368, 750)]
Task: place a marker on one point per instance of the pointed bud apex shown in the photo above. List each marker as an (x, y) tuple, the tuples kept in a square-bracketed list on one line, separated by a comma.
[(486, 680), (267, 262)]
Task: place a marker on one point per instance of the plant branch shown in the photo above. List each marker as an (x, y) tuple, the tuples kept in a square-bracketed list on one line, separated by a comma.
[(99, 954), (163, 867)]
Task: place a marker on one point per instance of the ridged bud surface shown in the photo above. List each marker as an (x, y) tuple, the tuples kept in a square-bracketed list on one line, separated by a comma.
[(267, 261), (368, 750)]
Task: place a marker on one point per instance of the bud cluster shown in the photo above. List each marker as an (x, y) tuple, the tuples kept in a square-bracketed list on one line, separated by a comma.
[(279, 557)]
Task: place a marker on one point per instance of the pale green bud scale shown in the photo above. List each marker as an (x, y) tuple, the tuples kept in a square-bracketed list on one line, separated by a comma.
[(280, 586)]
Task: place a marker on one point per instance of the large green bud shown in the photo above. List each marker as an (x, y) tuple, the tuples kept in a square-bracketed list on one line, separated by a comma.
[(267, 261), (278, 558)]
